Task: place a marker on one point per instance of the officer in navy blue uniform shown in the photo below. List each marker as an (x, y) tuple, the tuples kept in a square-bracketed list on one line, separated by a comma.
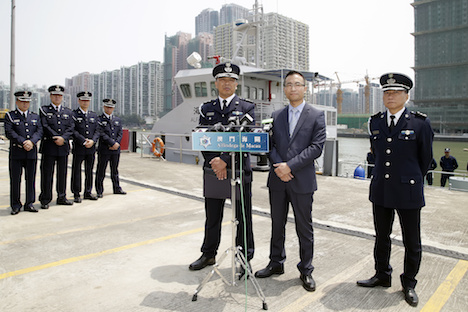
[(110, 135), (448, 163), (402, 144), (57, 123), (23, 128), (85, 137), (215, 179)]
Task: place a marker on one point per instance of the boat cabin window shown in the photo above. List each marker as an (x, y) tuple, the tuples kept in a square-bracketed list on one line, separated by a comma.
[(200, 89), (261, 93), (185, 88), (331, 118), (247, 92), (239, 90), (253, 93), (214, 91)]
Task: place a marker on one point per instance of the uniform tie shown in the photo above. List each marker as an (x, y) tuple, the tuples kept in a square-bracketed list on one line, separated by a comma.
[(392, 123), (293, 120), (224, 104)]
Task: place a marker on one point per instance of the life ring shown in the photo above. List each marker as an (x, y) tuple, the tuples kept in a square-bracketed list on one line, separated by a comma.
[(157, 150)]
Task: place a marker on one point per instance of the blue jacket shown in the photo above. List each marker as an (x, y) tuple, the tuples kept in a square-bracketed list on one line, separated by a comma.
[(18, 130), (110, 132), (402, 159), (56, 123), (86, 127)]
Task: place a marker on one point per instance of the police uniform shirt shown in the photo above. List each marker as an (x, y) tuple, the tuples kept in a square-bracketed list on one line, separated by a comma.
[(397, 117), (402, 159), (86, 125), (56, 121), (19, 127)]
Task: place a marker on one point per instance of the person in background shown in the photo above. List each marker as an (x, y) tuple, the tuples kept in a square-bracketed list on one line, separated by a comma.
[(85, 136), (110, 135), (23, 128), (402, 144), (430, 175), (298, 136), (448, 163), (57, 123)]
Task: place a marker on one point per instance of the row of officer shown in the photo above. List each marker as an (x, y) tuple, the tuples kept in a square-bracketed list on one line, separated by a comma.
[(55, 126)]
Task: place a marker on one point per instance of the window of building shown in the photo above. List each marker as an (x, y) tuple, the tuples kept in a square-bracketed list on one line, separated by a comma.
[(200, 89), (214, 91), (185, 88)]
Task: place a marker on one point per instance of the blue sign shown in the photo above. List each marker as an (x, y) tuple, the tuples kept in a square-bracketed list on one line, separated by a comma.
[(251, 142)]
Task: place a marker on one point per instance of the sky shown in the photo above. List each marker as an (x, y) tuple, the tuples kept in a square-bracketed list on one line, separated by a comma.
[(58, 39)]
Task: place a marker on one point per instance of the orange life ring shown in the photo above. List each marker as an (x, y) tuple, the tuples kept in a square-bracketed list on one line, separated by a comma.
[(159, 150)]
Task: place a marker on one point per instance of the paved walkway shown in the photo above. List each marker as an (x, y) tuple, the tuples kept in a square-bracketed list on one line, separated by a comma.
[(131, 253)]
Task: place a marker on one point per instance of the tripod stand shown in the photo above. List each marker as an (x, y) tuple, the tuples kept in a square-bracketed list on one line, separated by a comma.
[(235, 251)]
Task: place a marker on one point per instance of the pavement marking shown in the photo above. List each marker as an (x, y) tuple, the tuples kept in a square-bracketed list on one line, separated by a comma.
[(307, 299), (445, 290), (97, 254), (88, 228)]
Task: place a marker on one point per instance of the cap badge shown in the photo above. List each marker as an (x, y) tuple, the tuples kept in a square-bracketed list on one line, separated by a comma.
[(57, 88), (391, 81), (228, 68)]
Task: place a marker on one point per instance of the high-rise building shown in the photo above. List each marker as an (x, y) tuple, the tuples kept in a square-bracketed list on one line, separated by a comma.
[(206, 21), (441, 63), (230, 13)]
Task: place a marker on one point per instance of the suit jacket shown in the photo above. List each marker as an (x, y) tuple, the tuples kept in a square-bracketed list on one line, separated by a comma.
[(299, 151), (56, 123), (110, 132), (402, 159), (86, 127), (18, 129)]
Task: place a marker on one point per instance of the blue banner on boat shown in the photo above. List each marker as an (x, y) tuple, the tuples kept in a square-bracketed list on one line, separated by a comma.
[(251, 142)]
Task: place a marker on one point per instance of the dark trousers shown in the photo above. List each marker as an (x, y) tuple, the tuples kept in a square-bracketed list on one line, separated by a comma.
[(443, 179), (47, 174), (16, 171), (76, 173), (430, 178), (214, 209), (302, 208), (103, 160), (411, 230)]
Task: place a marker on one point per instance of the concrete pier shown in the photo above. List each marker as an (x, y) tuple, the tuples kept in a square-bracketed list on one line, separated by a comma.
[(131, 252)]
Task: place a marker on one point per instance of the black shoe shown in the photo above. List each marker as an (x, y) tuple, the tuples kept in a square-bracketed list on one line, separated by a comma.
[(64, 201), (90, 196), (308, 282), (269, 271), (30, 208), (411, 297), (201, 263), (120, 192), (242, 270), (374, 281), (14, 211), (77, 199), (99, 195), (44, 206)]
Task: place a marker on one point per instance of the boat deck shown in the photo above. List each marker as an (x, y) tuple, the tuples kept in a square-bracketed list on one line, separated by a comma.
[(131, 253)]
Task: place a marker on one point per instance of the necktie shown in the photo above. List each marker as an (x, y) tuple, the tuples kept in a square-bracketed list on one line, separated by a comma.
[(392, 123), (224, 104), (293, 121)]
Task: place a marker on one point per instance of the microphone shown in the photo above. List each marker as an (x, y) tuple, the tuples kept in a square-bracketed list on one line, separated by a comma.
[(246, 120)]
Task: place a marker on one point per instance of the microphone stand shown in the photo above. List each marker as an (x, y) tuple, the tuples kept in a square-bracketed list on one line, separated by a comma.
[(236, 251)]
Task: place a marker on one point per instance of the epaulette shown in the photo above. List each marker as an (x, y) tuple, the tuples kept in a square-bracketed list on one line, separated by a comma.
[(419, 114), (246, 100), (376, 115)]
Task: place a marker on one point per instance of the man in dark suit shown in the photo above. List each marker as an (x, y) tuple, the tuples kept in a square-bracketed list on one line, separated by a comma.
[(110, 136), (298, 135), (58, 125), (85, 137), (402, 144), (216, 186), (23, 128)]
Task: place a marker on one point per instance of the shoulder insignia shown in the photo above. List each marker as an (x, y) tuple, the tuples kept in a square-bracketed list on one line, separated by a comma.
[(419, 114), (376, 115), (246, 100)]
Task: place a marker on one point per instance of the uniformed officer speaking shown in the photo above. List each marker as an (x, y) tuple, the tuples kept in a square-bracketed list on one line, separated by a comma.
[(216, 165), (85, 137), (57, 123), (402, 144), (23, 128), (110, 135)]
